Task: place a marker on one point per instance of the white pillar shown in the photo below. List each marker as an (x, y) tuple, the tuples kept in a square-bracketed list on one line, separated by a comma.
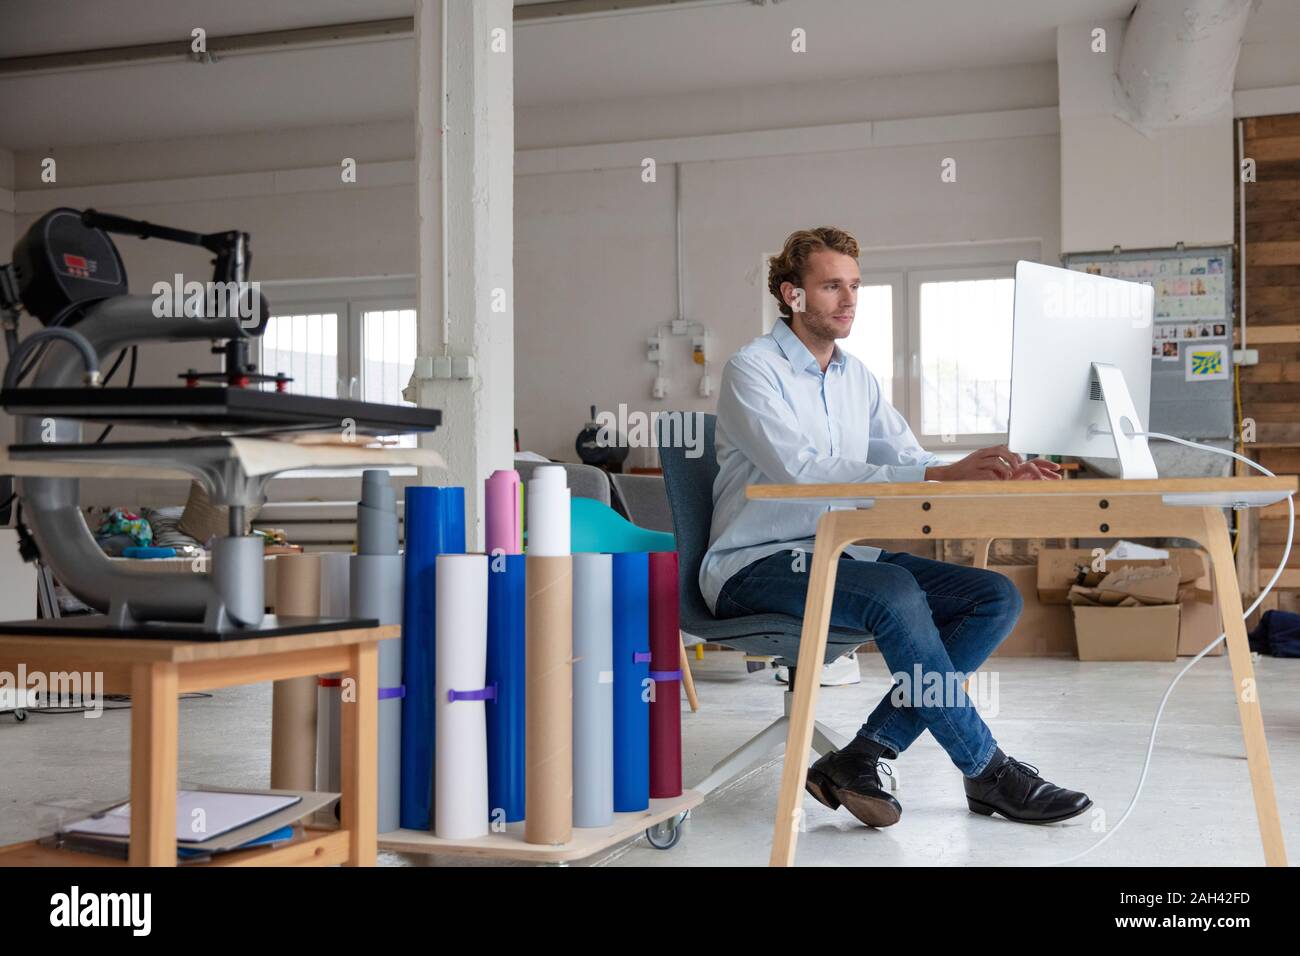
[(473, 273)]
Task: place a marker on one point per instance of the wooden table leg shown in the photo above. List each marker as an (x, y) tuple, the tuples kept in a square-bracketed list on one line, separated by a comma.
[(807, 681), (154, 718), (359, 761), (1245, 688), (688, 679)]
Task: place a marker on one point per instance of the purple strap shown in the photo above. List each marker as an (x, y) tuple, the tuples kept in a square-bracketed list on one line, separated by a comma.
[(641, 657), (388, 693), (665, 675), (486, 693)]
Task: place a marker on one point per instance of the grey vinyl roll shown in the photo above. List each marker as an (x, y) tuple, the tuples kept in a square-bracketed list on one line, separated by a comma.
[(376, 514), (376, 589), (593, 691), (377, 593), (334, 602)]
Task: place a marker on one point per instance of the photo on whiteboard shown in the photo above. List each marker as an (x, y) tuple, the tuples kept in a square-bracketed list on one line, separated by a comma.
[(1220, 329), (1205, 363), (1169, 351)]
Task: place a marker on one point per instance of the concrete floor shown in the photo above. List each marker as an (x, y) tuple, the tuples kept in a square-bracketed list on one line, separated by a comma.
[(1084, 725)]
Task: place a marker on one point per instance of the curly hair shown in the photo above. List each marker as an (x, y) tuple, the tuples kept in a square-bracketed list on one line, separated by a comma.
[(790, 264)]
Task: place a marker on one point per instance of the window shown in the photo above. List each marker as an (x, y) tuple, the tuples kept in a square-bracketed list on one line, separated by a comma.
[(342, 339), (388, 357), (871, 340), (963, 323), (304, 346)]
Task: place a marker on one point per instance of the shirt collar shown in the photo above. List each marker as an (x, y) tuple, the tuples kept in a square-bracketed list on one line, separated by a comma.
[(797, 353)]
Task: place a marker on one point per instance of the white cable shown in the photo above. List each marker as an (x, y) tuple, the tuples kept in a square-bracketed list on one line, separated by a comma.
[(1151, 743)]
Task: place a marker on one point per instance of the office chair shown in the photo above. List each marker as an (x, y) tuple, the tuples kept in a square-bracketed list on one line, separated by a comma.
[(689, 483)]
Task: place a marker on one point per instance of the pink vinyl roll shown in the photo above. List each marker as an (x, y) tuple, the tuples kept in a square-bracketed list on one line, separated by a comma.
[(503, 519)]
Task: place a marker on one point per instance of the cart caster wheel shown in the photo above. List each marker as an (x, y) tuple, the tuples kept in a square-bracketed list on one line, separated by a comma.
[(20, 715), (666, 834)]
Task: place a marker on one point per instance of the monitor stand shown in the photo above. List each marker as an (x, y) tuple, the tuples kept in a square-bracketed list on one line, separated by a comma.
[(1134, 455)]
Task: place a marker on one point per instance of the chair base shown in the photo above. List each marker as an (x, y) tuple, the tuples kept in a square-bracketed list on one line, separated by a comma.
[(767, 741)]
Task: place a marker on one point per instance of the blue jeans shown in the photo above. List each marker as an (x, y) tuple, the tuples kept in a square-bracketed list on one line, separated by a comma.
[(928, 618)]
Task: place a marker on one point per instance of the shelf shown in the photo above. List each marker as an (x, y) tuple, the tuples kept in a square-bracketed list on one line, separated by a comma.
[(309, 846), (586, 841)]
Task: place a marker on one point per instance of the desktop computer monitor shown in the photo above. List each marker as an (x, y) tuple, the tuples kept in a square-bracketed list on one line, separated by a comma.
[(1081, 367)]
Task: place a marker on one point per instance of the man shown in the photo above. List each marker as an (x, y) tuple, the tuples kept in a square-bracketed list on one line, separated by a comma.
[(794, 408)]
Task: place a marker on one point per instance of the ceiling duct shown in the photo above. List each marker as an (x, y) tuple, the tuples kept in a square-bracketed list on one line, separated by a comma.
[(1179, 60)]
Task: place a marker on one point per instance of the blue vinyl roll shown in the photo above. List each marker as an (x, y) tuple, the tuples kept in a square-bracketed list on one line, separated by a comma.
[(505, 669), (631, 669), (435, 524)]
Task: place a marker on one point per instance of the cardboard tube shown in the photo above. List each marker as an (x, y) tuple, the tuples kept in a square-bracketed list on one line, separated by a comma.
[(548, 701), (293, 702)]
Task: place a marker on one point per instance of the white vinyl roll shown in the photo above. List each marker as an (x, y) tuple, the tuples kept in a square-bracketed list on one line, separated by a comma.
[(335, 593), (546, 512), (460, 725)]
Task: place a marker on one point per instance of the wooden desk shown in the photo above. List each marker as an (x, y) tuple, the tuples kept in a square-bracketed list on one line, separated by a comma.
[(154, 672), (1087, 508)]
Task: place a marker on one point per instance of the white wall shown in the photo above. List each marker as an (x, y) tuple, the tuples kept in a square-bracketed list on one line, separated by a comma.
[(595, 264), (1126, 188)]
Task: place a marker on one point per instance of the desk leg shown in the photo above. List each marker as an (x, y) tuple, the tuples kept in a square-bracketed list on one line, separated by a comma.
[(359, 761), (812, 648), (154, 717), (1245, 688)]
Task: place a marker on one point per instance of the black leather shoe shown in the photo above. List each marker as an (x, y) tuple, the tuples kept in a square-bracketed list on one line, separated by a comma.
[(1016, 791), (853, 781)]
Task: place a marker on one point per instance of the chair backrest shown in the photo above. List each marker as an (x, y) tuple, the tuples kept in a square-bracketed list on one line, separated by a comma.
[(584, 481), (689, 483), (643, 500)]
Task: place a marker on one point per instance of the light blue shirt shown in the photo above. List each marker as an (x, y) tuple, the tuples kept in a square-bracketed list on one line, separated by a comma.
[(782, 420)]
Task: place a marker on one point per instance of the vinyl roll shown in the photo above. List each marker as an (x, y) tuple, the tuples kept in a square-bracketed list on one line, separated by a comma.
[(665, 672), (548, 813), (506, 719), (593, 691), (335, 599), (435, 524), (503, 522), (460, 755), (631, 643), (548, 511), (377, 593), (376, 514), (293, 702)]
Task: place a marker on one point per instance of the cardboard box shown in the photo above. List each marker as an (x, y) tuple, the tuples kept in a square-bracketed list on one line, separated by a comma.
[(1060, 568), (1043, 630), (1199, 624), (1144, 633), (1199, 619)]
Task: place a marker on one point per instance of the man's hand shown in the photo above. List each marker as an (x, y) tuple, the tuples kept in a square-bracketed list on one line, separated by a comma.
[(998, 463)]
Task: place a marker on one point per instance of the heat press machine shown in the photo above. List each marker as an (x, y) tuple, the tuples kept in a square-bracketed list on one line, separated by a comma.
[(68, 275)]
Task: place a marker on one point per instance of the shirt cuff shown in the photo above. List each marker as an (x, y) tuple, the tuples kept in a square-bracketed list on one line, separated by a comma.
[(910, 472)]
